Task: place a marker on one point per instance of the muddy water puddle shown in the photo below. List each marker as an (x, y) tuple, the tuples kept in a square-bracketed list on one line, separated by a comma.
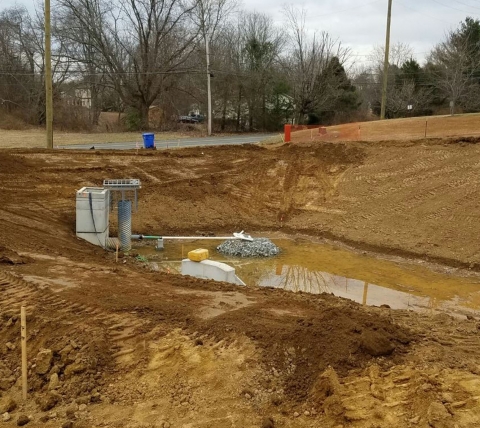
[(319, 268)]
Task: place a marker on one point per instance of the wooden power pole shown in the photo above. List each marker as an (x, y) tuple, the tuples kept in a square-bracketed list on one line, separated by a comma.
[(385, 64), (209, 88), (48, 77)]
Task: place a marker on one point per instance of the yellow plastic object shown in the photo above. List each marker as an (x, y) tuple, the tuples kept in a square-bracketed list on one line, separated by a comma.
[(198, 255)]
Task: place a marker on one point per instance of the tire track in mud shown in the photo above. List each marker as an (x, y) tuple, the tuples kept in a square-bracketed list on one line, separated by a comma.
[(47, 306), (458, 343)]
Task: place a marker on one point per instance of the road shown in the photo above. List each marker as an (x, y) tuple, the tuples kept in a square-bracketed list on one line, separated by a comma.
[(180, 142)]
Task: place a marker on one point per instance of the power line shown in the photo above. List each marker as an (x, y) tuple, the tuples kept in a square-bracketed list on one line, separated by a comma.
[(422, 13), (468, 5), (450, 7), (126, 73), (347, 10)]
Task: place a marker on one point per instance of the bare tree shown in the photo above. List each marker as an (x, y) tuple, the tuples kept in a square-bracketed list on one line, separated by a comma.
[(309, 57), (261, 46), (22, 62), (140, 44), (399, 54), (207, 16), (454, 67)]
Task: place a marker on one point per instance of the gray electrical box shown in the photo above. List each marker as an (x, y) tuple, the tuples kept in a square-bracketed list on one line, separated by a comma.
[(93, 207)]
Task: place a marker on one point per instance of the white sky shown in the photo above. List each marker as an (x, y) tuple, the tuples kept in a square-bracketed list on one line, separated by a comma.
[(360, 24)]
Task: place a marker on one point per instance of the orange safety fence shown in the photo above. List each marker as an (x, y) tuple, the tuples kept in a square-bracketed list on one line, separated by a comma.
[(288, 129), (398, 129)]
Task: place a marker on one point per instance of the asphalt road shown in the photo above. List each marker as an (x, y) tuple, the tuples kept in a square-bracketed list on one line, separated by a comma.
[(181, 142)]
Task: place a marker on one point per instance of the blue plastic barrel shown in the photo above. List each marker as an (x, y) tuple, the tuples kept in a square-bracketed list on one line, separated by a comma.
[(148, 140)]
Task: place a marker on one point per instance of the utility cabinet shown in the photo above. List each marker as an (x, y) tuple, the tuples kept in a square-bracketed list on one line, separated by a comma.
[(93, 208)]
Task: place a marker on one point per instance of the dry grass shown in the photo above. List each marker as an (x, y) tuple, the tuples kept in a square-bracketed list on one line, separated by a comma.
[(398, 129), (34, 138)]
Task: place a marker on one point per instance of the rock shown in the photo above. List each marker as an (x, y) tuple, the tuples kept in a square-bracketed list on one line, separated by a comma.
[(248, 396), (65, 355), (355, 415), (259, 247), (55, 369), (83, 400), (70, 412), (74, 368), (23, 420), (306, 413), (268, 423), (44, 361), (83, 407), (447, 397), (7, 404), (10, 346), (53, 415), (333, 406), (67, 424), (6, 417), (296, 415), (44, 418), (376, 344), (276, 400), (377, 392), (6, 383), (326, 385), (95, 397), (48, 401), (438, 416), (54, 382)]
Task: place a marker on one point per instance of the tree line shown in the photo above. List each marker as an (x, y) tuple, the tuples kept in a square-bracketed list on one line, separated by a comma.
[(147, 60)]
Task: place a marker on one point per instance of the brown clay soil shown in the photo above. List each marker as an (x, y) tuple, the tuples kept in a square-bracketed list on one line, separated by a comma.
[(118, 345), (397, 129)]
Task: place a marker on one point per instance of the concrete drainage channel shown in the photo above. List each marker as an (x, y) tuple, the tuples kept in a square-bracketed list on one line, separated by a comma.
[(93, 206)]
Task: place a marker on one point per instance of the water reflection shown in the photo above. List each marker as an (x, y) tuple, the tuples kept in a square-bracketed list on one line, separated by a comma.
[(298, 278), (317, 268)]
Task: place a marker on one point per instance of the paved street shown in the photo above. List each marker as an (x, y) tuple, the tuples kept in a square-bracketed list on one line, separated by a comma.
[(181, 142)]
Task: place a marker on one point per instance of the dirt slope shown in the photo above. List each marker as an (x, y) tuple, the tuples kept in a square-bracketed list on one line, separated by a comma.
[(135, 348), (418, 199), (412, 128)]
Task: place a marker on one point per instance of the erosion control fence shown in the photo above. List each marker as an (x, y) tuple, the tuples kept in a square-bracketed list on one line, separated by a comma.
[(395, 129)]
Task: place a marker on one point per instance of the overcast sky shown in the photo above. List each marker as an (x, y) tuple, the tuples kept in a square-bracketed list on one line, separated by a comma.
[(360, 24)]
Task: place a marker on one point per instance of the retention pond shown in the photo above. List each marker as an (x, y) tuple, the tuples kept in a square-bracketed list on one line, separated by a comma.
[(316, 268)]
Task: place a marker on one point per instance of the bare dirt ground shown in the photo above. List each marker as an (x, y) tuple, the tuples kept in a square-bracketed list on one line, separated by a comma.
[(397, 129), (124, 346), (35, 138)]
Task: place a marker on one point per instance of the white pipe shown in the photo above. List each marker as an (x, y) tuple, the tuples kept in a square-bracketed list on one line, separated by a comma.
[(152, 237), (200, 237)]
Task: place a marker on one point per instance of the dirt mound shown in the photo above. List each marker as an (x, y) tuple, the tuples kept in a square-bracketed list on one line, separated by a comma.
[(344, 340)]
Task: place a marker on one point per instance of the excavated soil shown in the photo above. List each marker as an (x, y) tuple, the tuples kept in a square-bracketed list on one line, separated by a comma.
[(119, 345)]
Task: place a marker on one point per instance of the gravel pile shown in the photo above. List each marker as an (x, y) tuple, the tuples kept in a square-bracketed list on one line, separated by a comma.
[(259, 247)]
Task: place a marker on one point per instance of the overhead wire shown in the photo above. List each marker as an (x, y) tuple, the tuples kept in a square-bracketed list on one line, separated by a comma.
[(451, 7), (422, 13), (468, 5), (346, 10)]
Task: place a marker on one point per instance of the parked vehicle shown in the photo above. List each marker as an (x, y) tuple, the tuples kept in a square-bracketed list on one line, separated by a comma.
[(192, 118)]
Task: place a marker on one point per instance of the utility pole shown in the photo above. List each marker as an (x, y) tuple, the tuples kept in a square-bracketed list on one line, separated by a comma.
[(385, 64), (48, 77), (209, 90)]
